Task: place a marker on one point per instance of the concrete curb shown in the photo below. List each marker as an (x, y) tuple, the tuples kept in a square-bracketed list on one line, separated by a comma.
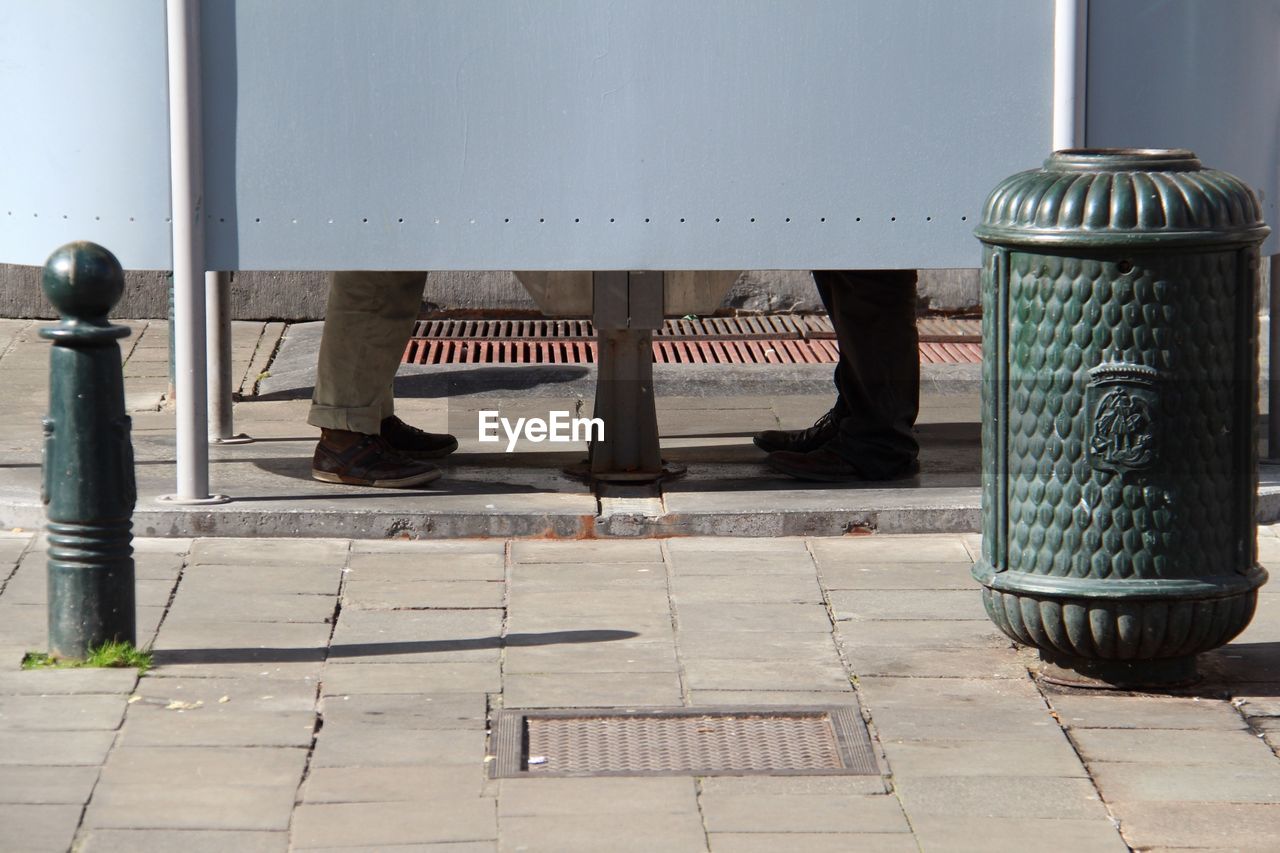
[(236, 520), (956, 511)]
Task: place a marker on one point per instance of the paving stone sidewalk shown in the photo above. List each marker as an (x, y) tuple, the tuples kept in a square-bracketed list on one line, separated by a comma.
[(336, 694)]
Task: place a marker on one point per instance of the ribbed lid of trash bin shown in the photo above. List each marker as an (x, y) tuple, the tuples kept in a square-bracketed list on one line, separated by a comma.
[(1103, 197)]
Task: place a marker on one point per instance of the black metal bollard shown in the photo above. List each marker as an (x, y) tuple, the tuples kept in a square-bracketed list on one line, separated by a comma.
[(88, 490)]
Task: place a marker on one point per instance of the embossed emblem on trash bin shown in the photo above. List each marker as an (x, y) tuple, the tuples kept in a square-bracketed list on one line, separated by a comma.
[(1121, 401)]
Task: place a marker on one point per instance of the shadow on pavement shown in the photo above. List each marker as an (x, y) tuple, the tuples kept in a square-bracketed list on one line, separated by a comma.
[(161, 657), (451, 484), (1242, 669)]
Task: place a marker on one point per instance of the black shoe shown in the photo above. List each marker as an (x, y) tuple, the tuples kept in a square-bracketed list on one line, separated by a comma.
[(356, 459), (824, 465), (800, 440), (416, 443)]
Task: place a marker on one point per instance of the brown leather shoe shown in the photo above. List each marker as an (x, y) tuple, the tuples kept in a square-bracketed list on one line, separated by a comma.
[(356, 459), (416, 443)]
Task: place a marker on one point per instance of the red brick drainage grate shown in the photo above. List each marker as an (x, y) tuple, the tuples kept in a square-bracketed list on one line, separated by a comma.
[(768, 339), (773, 741)]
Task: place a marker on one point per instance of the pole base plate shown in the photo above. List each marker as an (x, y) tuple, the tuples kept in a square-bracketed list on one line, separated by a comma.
[(178, 500), (239, 438)]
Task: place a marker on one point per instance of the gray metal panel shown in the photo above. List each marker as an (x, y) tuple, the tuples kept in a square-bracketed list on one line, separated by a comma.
[(875, 127), (84, 152), (635, 134), (1191, 74)]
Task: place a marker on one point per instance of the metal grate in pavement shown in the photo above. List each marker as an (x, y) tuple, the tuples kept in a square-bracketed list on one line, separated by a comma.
[(799, 326), (507, 351), (946, 352), (428, 351), (763, 339), (954, 329), (750, 351), (771, 740)]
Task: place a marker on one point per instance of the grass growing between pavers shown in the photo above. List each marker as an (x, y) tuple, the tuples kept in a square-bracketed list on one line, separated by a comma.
[(112, 654)]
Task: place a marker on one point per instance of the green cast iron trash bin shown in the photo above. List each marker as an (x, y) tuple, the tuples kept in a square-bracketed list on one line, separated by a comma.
[(1119, 413)]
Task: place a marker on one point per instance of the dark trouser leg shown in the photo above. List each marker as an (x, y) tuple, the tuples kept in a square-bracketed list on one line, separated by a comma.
[(878, 377)]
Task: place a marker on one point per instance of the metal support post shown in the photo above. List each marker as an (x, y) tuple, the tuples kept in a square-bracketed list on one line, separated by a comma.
[(626, 310), (88, 488), (172, 393), (1273, 377), (625, 402), (217, 289), (1070, 63), (186, 166)]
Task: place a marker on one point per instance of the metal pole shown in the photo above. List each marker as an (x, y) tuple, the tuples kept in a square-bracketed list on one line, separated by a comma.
[(1273, 378), (186, 176), (217, 291), (1070, 63), (172, 394)]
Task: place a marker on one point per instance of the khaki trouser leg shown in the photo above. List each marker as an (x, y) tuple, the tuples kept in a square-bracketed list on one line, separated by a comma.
[(368, 321)]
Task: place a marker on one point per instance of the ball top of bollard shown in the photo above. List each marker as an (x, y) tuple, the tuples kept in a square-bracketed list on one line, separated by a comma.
[(83, 281)]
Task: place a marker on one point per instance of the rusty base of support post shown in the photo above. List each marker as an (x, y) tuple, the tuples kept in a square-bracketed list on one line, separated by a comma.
[(1154, 674), (582, 472)]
